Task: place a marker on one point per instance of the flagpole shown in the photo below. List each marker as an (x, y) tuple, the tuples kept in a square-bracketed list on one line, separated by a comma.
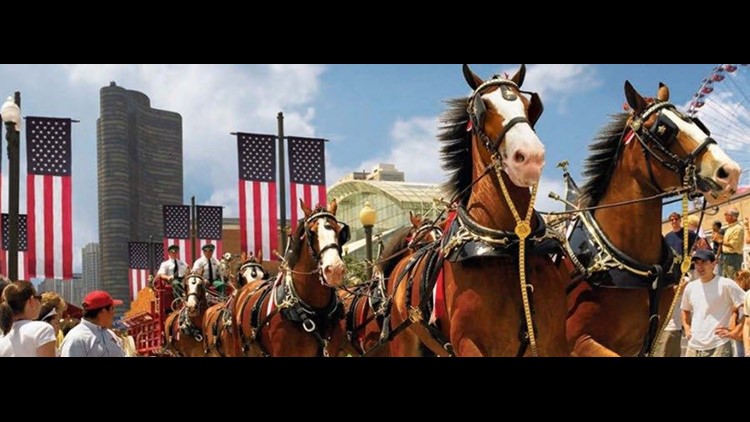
[(150, 258), (193, 230), (282, 187)]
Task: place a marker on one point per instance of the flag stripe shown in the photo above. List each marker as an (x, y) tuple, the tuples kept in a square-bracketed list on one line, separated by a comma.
[(257, 216), (31, 212), (272, 225), (67, 225), (243, 220)]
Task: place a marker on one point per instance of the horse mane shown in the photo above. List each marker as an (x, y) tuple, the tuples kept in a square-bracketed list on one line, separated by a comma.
[(599, 166), (456, 147), (395, 245)]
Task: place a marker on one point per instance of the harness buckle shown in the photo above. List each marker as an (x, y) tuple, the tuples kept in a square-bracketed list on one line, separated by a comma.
[(308, 325)]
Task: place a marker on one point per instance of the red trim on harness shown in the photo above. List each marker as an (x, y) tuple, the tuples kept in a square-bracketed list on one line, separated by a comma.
[(629, 137)]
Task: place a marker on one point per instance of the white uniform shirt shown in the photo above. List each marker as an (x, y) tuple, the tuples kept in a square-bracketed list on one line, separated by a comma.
[(711, 305), (201, 267), (167, 268), (25, 337)]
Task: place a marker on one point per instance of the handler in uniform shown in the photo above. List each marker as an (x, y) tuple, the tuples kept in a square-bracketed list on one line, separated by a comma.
[(173, 271), (209, 268)]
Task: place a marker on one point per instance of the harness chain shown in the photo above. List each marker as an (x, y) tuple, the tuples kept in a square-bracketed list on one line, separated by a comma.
[(523, 230)]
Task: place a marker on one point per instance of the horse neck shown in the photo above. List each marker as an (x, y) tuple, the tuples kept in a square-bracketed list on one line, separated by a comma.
[(308, 286), (487, 205), (634, 229)]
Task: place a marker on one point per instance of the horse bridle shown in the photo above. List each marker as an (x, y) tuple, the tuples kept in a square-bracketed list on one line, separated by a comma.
[(478, 111), (196, 294), (421, 233), (661, 135), (342, 237), (256, 266)]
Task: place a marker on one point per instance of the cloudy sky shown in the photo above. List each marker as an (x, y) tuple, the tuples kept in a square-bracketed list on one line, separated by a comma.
[(370, 113)]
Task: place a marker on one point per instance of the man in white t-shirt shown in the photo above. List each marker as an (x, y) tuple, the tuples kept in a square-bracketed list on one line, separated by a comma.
[(707, 305)]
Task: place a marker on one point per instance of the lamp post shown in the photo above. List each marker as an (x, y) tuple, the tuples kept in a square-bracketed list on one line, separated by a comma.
[(11, 113), (367, 217)]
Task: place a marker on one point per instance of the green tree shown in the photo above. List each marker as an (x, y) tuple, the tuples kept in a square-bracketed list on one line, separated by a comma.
[(356, 270)]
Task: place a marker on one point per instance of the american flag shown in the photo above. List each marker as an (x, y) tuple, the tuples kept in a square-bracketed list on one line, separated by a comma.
[(22, 246), (138, 267), (177, 229), (209, 227), (257, 174), (307, 175), (158, 256), (49, 198)]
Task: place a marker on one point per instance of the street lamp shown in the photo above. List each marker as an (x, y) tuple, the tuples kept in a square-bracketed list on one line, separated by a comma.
[(367, 217), (11, 113)]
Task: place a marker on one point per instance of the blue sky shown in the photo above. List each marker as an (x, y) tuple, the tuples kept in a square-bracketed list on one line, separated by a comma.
[(370, 114)]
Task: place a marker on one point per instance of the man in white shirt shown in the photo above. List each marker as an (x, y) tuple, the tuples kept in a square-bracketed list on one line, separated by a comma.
[(173, 271), (707, 305), (93, 337), (210, 269)]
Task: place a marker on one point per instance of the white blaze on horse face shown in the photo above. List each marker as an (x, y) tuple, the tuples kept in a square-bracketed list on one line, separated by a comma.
[(192, 290), (331, 264), (715, 164), (521, 150)]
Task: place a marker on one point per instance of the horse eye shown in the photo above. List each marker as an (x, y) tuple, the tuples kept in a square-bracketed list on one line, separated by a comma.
[(328, 226), (254, 274)]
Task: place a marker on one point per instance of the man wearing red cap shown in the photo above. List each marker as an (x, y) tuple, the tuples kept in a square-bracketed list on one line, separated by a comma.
[(93, 337)]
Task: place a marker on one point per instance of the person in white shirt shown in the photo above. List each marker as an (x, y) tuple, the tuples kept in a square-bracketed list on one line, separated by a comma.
[(669, 344), (173, 271), (24, 337), (210, 269), (707, 305), (93, 337)]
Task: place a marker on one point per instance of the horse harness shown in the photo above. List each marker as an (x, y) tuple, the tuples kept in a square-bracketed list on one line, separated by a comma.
[(605, 266)]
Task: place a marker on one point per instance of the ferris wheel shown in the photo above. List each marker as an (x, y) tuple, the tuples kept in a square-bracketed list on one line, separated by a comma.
[(722, 103)]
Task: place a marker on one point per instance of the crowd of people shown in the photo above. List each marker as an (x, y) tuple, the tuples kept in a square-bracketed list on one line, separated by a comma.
[(710, 307)]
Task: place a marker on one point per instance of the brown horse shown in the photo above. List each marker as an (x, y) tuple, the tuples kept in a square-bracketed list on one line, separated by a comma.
[(184, 328), (299, 314), (221, 337), (495, 156), (628, 286), (366, 308)]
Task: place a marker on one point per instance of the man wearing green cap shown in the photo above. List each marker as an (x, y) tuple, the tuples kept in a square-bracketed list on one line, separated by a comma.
[(209, 268), (173, 270)]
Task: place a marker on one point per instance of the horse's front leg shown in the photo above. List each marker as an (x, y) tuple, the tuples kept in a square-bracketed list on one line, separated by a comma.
[(586, 346)]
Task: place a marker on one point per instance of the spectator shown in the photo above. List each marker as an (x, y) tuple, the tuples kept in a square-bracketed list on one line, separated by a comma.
[(68, 324), (53, 307), (24, 337), (93, 337), (738, 316), (707, 306), (734, 242), (717, 239), (675, 238)]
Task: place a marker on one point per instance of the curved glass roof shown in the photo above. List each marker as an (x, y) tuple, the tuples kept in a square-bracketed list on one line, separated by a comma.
[(398, 191)]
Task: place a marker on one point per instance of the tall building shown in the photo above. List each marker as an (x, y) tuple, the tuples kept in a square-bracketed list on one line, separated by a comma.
[(139, 160), (90, 262)]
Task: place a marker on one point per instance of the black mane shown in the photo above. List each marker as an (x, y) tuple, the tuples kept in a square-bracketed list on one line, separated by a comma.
[(599, 166), (456, 147)]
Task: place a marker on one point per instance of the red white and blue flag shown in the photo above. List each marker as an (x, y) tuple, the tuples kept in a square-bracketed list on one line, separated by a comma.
[(307, 175), (258, 194), (138, 267), (22, 246), (49, 198), (177, 230), (209, 222)]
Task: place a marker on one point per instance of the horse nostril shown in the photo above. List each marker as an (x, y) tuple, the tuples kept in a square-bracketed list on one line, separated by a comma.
[(519, 157), (722, 173)]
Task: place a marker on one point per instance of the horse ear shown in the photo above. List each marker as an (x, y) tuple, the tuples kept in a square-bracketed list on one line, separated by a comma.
[(414, 220), (473, 80), (259, 256), (305, 208), (333, 206), (520, 76), (243, 256), (663, 94), (635, 100)]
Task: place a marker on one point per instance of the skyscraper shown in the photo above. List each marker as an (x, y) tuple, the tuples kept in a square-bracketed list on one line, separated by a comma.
[(139, 160), (90, 262)]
